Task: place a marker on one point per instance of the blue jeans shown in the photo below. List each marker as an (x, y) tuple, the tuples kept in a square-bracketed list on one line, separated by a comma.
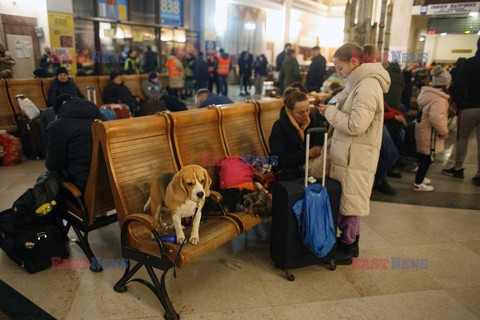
[(222, 84), (388, 156)]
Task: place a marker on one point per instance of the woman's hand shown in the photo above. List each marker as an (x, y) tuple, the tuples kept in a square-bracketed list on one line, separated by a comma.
[(401, 119), (315, 152), (444, 137), (321, 108)]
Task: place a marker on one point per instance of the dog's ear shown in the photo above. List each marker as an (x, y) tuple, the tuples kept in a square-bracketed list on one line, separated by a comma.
[(207, 182), (176, 192)]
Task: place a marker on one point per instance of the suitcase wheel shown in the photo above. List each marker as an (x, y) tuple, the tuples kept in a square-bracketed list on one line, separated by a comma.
[(289, 275), (331, 265)]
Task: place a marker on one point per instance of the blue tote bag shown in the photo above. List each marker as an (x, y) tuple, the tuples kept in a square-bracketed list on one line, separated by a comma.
[(315, 223)]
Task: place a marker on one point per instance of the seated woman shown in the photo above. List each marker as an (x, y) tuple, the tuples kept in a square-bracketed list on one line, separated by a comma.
[(69, 139), (152, 81), (116, 92), (287, 140), (62, 84)]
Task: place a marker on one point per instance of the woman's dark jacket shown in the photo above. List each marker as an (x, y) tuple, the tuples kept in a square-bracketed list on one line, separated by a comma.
[(69, 141), (394, 95), (59, 88), (286, 144), (118, 93)]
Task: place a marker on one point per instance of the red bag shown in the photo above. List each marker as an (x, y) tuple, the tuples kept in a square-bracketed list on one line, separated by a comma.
[(12, 148), (121, 110), (234, 170)]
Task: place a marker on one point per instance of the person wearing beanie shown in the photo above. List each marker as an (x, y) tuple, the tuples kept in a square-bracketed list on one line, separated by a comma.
[(433, 103), (117, 92), (151, 81), (62, 84), (465, 94), (69, 139)]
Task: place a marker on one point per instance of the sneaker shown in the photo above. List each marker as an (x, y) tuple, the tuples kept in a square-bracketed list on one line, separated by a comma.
[(426, 181), (422, 187), (476, 180), (452, 172)]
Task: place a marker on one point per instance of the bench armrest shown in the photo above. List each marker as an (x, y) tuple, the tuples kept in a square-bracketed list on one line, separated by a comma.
[(215, 196), (260, 177), (70, 187), (147, 220)]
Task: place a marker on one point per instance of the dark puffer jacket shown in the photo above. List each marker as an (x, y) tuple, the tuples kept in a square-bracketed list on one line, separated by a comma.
[(465, 89), (58, 88), (394, 95), (69, 141), (118, 93), (286, 144)]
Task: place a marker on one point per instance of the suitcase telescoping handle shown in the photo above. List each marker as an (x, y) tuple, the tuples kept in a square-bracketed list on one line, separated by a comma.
[(91, 94), (324, 151)]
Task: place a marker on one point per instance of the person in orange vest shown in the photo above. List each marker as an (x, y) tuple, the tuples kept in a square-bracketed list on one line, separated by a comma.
[(176, 81), (223, 69), (212, 61)]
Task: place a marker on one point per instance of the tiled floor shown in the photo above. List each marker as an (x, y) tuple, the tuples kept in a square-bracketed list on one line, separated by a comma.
[(239, 281)]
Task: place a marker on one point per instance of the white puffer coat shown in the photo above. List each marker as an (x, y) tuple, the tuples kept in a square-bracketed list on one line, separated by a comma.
[(434, 103), (357, 138)]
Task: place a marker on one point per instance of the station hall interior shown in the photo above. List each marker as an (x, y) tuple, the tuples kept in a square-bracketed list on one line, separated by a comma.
[(238, 279)]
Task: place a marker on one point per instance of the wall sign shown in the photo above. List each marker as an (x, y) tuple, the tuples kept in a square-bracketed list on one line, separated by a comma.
[(113, 9), (171, 13), (451, 8)]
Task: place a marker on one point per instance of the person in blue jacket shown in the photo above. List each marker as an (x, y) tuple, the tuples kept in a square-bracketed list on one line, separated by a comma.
[(204, 98)]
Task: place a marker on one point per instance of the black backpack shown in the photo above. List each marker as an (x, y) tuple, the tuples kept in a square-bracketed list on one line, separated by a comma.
[(31, 233)]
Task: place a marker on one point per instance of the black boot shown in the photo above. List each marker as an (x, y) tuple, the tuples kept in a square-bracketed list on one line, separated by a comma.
[(345, 251)]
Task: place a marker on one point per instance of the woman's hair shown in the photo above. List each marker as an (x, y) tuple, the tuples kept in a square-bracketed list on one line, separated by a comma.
[(366, 54), (347, 51), (291, 96)]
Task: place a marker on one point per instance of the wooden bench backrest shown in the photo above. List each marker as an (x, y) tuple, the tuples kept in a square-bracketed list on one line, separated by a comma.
[(102, 82), (197, 137), (84, 82), (269, 113), (30, 88), (134, 84), (46, 84), (7, 117), (136, 151), (241, 129), (98, 193)]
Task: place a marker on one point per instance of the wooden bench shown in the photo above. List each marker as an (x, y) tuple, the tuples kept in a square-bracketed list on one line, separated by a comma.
[(94, 208), (7, 117), (46, 84), (137, 150), (30, 88)]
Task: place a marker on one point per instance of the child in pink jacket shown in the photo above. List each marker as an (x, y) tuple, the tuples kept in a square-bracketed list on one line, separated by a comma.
[(434, 102)]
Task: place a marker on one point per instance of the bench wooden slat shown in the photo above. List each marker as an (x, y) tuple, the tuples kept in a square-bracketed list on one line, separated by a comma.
[(269, 113), (241, 129), (46, 84), (7, 117), (196, 135)]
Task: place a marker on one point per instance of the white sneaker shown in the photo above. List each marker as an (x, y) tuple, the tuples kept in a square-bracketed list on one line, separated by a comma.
[(422, 187), (427, 181)]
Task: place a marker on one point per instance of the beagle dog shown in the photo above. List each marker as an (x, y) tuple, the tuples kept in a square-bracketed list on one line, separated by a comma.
[(177, 196)]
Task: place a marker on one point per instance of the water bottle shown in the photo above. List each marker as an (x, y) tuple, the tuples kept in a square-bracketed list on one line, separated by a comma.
[(45, 208)]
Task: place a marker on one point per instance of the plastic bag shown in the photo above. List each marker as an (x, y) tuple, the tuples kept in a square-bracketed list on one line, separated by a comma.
[(315, 223), (29, 108), (12, 148)]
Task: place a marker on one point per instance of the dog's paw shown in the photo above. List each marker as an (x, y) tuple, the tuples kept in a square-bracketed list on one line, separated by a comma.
[(180, 240), (194, 240)]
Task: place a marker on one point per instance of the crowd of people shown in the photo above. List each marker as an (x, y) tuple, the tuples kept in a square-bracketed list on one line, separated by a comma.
[(371, 133)]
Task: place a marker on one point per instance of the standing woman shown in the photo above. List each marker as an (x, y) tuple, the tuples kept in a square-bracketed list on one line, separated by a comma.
[(356, 114)]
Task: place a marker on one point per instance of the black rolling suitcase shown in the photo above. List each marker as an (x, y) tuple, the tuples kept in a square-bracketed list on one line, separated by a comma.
[(286, 247), (33, 132)]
